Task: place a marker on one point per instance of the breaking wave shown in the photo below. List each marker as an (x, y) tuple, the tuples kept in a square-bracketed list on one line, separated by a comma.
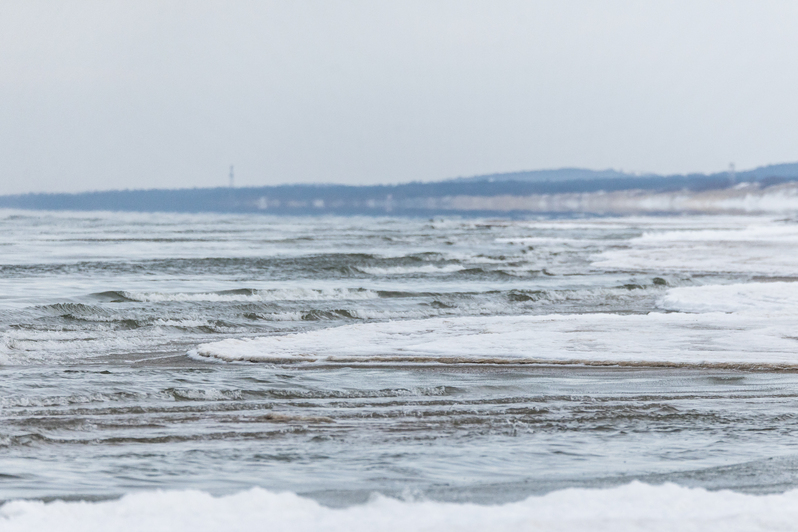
[(245, 295)]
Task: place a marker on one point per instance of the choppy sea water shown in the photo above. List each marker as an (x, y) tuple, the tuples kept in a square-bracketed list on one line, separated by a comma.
[(445, 360)]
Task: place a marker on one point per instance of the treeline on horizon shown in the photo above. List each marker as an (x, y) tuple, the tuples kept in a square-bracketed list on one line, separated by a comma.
[(409, 198)]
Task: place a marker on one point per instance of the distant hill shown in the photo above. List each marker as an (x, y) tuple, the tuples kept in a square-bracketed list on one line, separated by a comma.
[(787, 171), (773, 172), (537, 176), (459, 195)]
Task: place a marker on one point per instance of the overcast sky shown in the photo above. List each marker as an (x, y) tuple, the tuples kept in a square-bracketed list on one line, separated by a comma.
[(146, 94)]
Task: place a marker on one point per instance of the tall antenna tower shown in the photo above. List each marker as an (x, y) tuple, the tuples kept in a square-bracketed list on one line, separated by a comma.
[(232, 177)]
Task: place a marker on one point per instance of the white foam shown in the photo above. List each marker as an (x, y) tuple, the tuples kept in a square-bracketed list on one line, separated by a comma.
[(633, 507), (761, 248), (783, 233), (287, 294), (776, 299), (656, 338), (183, 323), (542, 240), (409, 270)]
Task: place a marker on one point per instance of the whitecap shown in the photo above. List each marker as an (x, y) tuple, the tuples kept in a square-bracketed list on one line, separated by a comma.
[(285, 294)]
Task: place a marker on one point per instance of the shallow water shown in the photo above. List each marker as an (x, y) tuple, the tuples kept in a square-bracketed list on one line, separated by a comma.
[(100, 396)]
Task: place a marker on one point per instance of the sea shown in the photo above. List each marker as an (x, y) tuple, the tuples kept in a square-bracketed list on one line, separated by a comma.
[(247, 372)]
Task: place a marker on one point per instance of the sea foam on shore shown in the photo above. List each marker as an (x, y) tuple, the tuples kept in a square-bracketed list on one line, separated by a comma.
[(633, 507)]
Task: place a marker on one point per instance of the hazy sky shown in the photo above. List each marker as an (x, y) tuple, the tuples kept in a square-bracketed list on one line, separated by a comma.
[(143, 94)]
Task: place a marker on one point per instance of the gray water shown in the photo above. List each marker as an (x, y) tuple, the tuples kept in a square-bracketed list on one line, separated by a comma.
[(98, 396)]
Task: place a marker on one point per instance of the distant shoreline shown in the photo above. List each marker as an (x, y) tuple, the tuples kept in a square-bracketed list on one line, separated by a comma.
[(571, 190)]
